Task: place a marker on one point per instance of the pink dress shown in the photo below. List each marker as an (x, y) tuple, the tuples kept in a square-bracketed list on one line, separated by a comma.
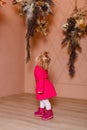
[(43, 84)]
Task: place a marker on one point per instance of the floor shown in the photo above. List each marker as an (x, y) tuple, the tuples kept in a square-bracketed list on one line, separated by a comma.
[(17, 113)]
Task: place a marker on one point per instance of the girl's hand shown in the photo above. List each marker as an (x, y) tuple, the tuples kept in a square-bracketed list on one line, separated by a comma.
[(39, 92)]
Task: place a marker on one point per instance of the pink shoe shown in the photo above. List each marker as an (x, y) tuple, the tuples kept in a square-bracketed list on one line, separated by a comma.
[(47, 115), (40, 112)]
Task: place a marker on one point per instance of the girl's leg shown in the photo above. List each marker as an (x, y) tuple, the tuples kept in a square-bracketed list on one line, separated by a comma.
[(47, 104), (41, 109), (48, 110), (42, 105)]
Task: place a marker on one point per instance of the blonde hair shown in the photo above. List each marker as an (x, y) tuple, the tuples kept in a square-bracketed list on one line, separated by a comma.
[(44, 60)]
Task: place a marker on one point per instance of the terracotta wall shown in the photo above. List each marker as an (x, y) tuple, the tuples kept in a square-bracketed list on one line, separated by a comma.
[(11, 51), (58, 71)]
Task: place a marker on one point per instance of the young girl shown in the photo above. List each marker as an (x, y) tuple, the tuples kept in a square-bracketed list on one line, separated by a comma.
[(44, 88)]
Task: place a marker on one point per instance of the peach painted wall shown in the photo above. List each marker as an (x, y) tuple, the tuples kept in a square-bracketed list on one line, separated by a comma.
[(11, 51), (58, 71)]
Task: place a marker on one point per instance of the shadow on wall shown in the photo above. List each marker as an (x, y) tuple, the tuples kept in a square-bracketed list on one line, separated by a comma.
[(17, 13), (2, 17)]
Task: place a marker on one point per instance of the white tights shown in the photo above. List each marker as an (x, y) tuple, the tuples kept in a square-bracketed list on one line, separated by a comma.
[(46, 104)]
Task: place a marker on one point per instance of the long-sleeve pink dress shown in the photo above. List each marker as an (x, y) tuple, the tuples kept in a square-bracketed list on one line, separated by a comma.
[(43, 84)]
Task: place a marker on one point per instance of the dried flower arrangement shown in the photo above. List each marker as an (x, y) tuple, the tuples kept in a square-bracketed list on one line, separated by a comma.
[(36, 13), (2, 2), (74, 30)]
